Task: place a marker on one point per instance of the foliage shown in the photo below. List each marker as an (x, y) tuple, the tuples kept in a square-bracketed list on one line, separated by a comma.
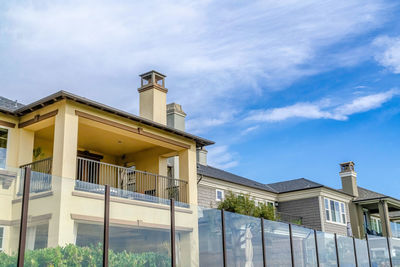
[(75, 256), (242, 204)]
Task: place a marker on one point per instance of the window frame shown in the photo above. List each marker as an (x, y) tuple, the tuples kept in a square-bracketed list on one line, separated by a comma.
[(2, 238), (222, 194), (334, 210), (7, 145)]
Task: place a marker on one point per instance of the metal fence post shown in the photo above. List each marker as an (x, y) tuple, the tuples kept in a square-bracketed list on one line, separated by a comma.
[(172, 213), (337, 251), (355, 251), (106, 233), (390, 252), (316, 246), (24, 217), (263, 242), (369, 253), (291, 244), (223, 238)]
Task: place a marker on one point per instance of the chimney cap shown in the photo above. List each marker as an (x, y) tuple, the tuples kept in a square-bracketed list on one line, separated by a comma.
[(152, 71), (175, 108), (347, 166)]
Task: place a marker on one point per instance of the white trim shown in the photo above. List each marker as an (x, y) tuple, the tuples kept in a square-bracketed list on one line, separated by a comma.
[(2, 238), (222, 195), (341, 212)]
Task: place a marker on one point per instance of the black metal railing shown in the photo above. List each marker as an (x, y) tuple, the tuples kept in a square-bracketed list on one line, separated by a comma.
[(41, 175), (91, 173)]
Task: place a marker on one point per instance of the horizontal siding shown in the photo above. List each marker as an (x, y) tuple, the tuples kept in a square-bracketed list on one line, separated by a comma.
[(307, 208), (206, 196)]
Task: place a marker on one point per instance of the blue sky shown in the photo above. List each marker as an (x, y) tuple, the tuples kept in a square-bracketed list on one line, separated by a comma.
[(287, 89)]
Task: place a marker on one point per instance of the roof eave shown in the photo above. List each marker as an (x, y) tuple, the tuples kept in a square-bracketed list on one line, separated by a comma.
[(66, 95)]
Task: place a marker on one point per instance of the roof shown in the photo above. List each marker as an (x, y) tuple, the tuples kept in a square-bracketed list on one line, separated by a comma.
[(365, 194), (230, 177), (9, 105), (22, 110), (294, 185)]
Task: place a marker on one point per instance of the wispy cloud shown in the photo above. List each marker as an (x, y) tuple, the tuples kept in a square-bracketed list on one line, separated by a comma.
[(221, 157), (388, 53), (217, 54), (323, 109)]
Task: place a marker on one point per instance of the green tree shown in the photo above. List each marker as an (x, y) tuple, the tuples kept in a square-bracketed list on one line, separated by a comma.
[(243, 204)]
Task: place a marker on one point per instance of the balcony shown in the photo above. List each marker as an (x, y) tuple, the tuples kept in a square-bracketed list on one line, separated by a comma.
[(143, 185)]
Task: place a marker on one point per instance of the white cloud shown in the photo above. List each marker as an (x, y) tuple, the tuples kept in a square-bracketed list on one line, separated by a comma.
[(221, 157), (388, 53), (217, 54), (323, 109)]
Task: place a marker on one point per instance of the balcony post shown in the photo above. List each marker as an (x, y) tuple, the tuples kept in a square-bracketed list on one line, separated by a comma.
[(263, 242), (224, 256), (369, 252), (316, 246)]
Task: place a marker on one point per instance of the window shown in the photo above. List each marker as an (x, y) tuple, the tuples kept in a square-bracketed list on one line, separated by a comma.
[(376, 225), (335, 211), (3, 147), (219, 195), (1, 238)]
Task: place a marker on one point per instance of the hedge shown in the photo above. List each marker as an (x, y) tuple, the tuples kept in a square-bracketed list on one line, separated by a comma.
[(74, 256)]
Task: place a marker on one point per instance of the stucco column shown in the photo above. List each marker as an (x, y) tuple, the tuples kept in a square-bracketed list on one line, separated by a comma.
[(65, 143), (384, 215), (25, 146), (188, 172)]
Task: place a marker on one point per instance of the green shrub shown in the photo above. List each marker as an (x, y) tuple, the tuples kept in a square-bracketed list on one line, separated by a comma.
[(74, 256)]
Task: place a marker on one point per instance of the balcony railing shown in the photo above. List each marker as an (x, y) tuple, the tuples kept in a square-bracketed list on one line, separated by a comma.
[(289, 218), (41, 175), (95, 172)]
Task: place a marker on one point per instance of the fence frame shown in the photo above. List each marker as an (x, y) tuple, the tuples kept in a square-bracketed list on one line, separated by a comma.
[(24, 217)]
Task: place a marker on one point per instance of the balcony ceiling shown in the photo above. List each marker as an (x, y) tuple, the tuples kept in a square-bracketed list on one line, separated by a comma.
[(107, 142)]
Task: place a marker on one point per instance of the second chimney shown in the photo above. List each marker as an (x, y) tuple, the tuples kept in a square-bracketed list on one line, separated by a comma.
[(153, 97)]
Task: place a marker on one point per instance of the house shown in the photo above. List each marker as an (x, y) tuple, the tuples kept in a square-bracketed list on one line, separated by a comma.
[(74, 146), (317, 206)]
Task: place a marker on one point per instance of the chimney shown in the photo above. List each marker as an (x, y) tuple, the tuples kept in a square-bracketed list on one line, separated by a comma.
[(153, 97), (176, 116), (202, 156), (349, 178)]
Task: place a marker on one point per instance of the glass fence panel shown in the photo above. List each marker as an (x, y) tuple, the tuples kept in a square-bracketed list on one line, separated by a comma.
[(304, 247), (395, 226), (362, 253), (346, 251), (64, 228), (140, 230), (210, 237), (395, 251), (10, 215), (277, 244), (379, 251), (326, 249), (243, 240)]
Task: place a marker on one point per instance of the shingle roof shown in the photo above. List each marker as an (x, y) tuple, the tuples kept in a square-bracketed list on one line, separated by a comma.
[(365, 194), (9, 105), (230, 177), (294, 185)]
